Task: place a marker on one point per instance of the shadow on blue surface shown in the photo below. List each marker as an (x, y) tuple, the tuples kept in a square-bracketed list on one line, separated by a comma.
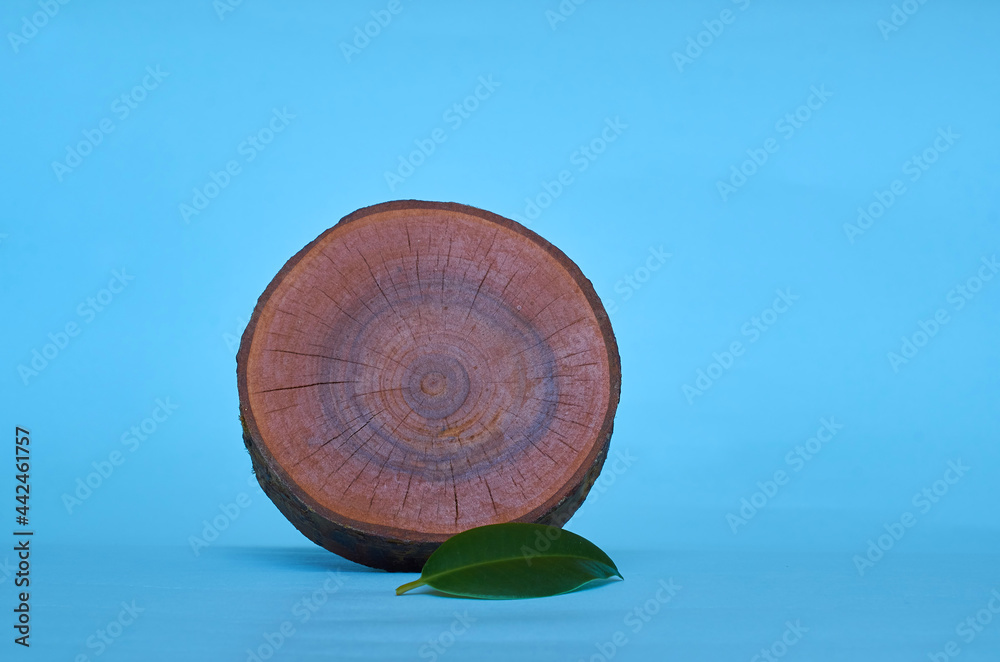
[(292, 558)]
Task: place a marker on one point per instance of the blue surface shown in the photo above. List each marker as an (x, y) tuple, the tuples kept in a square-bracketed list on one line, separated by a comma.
[(306, 604), (753, 310)]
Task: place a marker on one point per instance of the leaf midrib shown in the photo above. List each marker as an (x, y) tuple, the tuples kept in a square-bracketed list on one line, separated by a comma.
[(514, 558)]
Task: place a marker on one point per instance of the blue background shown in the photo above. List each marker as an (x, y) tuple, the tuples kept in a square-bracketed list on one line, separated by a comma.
[(557, 79)]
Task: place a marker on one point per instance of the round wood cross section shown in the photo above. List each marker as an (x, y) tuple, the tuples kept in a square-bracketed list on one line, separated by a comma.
[(420, 369)]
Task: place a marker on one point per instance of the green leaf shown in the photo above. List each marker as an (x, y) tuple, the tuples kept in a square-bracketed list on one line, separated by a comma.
[(514, 560)]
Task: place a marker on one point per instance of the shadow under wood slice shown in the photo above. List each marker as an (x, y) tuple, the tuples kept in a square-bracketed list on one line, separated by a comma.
[(420, 369)]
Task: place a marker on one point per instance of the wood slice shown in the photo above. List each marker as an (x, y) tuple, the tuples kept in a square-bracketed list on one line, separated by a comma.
[(420, 369)]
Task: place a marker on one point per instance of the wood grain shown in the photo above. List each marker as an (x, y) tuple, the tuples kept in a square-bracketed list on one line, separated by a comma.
[(422, 368)]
